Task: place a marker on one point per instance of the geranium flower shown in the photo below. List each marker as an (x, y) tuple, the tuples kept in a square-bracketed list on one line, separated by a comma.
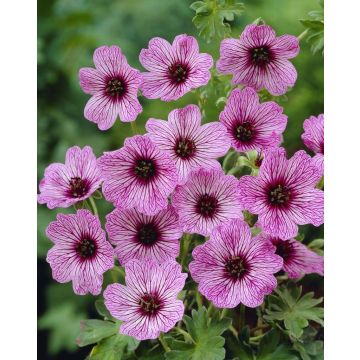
[(139, 236), (233, 268), (298, 259), (251, 125), (139, 175), (207, 199), (65, 185), (313, 138), (148, 303), (283, 193), (190, 144), (81, 253), (113, 85), (173, 69), (260, 59)]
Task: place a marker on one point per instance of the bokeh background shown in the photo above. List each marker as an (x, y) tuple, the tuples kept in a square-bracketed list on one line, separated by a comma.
[(68, 33)]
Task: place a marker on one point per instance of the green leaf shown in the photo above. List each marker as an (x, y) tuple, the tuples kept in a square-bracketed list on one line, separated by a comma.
[(211, 14), (317, 245), (205, 332), (239, 349), (102, 310), (93, 330), (295, 311), (114, 348)]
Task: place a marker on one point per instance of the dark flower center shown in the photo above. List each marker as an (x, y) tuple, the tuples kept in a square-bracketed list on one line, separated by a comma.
[(145, 169), (178, 73), (207, 205), (115, 87), (244, 132), (283, 249), (261, 56), (279, 195), (235, 267), (322, 147), (149, 304), (185, 148), (78, 187), (147, 234), (86, 248)]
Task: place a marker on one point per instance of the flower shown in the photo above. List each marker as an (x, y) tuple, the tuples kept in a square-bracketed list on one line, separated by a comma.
[(298, 259), (207, 199), (65, 185), (251, 125), (139, 236), (283, 193), (260, 59), (139, 175), (81, 253), (190, 144), (233, 268), (173, 69), (313, 138), (147, 305), (113, 85)]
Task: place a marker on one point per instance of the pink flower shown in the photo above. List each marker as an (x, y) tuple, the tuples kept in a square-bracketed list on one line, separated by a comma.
[(260, 59), (139, 236), (283, 194), (190, 144), (139, 175), (207, 199), (173, 69), (298, 259), (251, 125), (313, 138), (148, 303), (81, 253), (113, 85), (233, 268), (64, 185)]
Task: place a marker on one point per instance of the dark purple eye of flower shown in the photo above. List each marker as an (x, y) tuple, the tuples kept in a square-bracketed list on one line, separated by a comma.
[(244, 132), (322, 148), (145, 169), (185, 148), (279, 195), (178, 73), (235, 267), (115, 87), (147, 234), (78, 187), (86, 248), (149, 304), (260, 56), (207, 205), (284, 249)]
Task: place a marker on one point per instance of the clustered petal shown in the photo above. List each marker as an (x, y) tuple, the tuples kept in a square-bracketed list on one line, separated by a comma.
[(148, 303)]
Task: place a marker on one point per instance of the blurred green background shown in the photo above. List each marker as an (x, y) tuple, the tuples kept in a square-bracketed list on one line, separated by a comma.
[(68, 33)]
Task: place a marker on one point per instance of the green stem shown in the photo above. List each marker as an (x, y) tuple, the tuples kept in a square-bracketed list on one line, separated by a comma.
[(234, 331), (185, 248), (303, 34), (93, 206), (211, 308), (198, 299), (241, 316), (163, 342), (223, 313), (186, 335), (134, 128)]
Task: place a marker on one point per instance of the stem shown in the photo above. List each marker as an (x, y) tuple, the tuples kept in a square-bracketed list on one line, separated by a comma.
[(234, 331), (186, 335), (93, 206), (198, 299), (163, 342), (241, 316), (134, 128), (211, 308), (223, 313), (185, 248), (303, 34)]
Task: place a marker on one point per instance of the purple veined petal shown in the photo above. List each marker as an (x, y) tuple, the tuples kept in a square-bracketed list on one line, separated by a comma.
[(91, 80)]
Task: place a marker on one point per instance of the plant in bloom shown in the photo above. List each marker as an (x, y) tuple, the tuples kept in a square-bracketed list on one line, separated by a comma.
[(313, 138), (190, 144), (283, 194), (81, 253), (114, 85), (233, 268), (64, 185), (139, 236), (206, 200), (139, 175), (173, 69), (260, 59), (251, 125), (148, 303), (298, 258)]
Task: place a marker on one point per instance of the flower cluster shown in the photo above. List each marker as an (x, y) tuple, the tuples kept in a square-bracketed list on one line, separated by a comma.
[(169, 182)]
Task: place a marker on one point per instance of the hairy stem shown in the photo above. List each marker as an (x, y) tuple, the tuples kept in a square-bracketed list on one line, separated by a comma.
[(163, 342), (134, 128), (303, 34), (93, 206)]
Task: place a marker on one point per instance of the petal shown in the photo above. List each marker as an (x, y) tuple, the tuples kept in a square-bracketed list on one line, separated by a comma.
[(286, 46), (109, 60), (158, 57), (91, 80)]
